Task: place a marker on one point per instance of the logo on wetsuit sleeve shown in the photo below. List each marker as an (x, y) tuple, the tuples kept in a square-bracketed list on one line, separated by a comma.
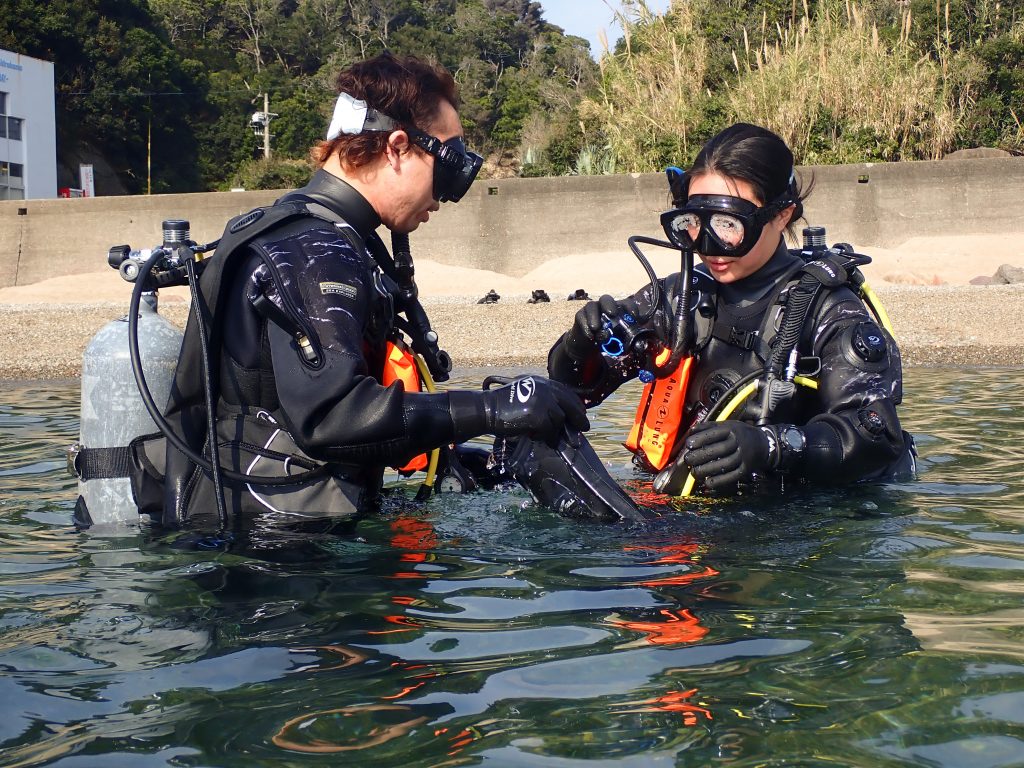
[(340, 289), (525, 389)]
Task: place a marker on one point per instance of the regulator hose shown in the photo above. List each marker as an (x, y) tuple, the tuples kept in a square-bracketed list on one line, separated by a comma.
[(875, 305), (424, 339), (157, 414), (427, 486), (679, 335), (744, 390), (797, 306)]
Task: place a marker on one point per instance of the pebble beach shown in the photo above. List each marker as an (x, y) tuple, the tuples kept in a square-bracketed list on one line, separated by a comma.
[(940, 317), (935, 326)]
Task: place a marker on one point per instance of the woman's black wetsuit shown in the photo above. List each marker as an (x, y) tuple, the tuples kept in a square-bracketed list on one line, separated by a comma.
[(850, 422)]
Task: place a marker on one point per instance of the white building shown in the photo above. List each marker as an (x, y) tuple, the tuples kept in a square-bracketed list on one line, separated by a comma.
[(28, 128)]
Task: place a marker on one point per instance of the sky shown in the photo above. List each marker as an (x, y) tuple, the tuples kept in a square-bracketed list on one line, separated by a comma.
[(584, 18)]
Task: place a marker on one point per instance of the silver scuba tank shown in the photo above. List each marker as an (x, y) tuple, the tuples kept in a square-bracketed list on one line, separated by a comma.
[(112, 411)]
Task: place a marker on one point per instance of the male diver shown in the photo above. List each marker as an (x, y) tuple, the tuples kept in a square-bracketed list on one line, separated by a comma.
[(303, 318)]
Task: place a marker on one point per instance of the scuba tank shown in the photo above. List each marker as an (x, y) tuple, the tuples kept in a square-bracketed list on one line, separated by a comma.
[(112, 412)]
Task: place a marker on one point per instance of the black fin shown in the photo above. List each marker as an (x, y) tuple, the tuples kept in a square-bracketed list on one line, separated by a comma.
[(570, 479)]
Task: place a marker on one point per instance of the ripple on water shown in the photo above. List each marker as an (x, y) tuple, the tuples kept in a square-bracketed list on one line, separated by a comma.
[(874, 625)]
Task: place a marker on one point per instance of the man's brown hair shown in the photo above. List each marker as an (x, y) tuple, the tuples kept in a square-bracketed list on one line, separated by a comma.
[(405, 88)]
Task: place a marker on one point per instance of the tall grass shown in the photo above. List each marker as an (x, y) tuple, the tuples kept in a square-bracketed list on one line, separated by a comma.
[(828, 82), (837, 93), (651, 96)]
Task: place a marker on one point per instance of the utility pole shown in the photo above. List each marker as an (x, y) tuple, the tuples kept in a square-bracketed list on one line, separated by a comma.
[(266, 125), (260, 124)]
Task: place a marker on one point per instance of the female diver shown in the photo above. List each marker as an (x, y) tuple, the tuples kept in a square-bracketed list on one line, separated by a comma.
[(760, 316)]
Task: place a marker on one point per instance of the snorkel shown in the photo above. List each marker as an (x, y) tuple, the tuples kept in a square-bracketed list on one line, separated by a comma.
[(680, 330)]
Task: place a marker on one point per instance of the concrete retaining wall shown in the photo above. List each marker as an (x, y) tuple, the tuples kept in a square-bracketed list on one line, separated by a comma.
[(513, 225)]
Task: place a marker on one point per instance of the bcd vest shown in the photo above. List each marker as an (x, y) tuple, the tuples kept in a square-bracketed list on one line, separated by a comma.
[(731, 342), (172, 489)]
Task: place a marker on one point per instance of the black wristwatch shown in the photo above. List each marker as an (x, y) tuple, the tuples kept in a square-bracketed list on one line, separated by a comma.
[(791, 445)]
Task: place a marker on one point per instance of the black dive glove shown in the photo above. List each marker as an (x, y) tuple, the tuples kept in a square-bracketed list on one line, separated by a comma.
[(724, 454), (588, 332), (529, 405)]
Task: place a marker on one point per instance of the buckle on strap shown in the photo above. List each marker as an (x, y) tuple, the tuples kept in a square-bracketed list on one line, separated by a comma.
[(72, 452), (99, 463), (746, 340)]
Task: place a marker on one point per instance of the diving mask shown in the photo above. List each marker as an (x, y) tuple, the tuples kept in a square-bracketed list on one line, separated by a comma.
[(720, 225), (455, 167)]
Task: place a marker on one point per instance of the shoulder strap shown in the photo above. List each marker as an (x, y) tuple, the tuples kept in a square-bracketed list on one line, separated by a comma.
[(804, 292), (187, 389)]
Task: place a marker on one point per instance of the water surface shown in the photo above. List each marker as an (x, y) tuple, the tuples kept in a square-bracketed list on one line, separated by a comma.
[(868, 626)]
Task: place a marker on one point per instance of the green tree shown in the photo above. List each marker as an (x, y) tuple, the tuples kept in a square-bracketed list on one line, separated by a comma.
[(116, 79)]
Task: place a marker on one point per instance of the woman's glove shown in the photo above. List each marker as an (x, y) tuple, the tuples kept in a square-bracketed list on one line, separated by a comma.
[(722, 455), (588, 332)]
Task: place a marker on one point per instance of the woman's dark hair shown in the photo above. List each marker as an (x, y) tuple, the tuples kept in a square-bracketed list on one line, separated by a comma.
[(759, 157), (404, 88)]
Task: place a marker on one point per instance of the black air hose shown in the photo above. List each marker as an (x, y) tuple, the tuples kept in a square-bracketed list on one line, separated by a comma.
[(797, 306), (424, 338), (680, 339), (157, 415)]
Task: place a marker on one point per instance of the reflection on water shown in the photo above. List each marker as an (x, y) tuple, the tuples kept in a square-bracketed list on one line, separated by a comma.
[(878, 625)]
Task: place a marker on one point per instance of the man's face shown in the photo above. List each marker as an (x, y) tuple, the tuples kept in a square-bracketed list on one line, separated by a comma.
[(412, 198)]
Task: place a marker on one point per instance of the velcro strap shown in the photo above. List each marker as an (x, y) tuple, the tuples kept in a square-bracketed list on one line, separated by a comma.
[(103, 463)]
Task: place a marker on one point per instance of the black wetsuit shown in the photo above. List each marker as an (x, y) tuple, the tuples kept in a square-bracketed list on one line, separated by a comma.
[(850, 422), (281, 411)]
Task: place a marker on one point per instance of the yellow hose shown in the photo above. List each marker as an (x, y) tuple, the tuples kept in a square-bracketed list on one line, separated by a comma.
[(739, 399), (435, 455), (875, 305)]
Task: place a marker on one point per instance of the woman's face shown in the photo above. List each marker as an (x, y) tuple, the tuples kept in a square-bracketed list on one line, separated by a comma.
[(729, 269)]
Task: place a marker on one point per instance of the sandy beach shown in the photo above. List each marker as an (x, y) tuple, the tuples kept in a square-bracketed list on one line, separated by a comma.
[(939, 317)]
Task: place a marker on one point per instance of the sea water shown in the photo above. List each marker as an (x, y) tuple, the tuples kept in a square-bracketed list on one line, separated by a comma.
[(874, 625)]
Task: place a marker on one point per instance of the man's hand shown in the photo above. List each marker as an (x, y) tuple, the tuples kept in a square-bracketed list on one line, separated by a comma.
[(535, 406)]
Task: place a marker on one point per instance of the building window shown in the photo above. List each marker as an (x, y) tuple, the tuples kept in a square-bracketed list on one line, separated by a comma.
[(17, 170), (3, 103), (14, 128)]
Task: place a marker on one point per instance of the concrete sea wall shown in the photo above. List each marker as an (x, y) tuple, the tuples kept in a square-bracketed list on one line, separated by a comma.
[(514, 225)]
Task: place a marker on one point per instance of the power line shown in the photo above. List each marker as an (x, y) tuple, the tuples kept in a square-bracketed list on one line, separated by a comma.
[(218, 92)]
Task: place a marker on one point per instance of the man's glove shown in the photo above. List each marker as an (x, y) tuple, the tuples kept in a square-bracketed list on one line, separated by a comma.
[(588, 332), (725, 453), (535, 406)]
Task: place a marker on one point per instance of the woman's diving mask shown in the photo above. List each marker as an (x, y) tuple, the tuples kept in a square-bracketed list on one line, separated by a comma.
[(720, 225)]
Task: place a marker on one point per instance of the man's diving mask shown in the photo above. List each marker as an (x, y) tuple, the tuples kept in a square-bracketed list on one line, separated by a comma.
[(455, 167), (720, 225)]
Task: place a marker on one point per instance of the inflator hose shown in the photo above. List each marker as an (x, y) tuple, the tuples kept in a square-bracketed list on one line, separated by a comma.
[(157, 414), (875, 305), (746, 391), (680, 334), (435, 455), (656, 294)]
